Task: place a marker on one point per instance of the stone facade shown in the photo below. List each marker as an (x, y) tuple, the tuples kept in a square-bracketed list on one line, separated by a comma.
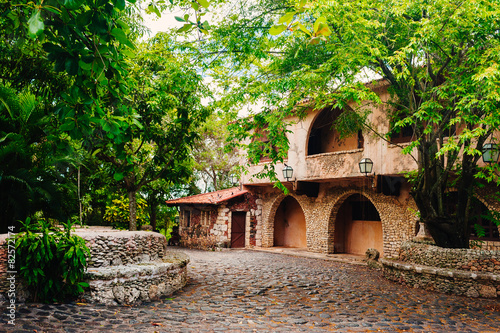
[(396, 213), (468, 272), (216, 220)]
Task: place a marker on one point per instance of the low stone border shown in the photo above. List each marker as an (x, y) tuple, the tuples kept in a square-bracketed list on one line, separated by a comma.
[(135, 283), (443, 280)]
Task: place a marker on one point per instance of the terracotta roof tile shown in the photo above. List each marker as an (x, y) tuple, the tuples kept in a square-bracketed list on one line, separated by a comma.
[(212, 198)]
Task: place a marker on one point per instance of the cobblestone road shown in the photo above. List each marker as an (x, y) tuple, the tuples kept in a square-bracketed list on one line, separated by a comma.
[(250, 291)]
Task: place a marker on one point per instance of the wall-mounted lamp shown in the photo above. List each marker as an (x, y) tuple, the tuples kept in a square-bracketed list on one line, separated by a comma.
[(287, 172), (490, 153), (366, 166)]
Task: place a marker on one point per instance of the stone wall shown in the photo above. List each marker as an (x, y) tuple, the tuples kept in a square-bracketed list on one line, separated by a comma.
[(115, 248), (468, 272), (124, 267), (396, 213), (135, 283), (473, 260)]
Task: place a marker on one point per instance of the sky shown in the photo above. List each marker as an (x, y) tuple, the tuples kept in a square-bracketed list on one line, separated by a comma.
[(168, 21)]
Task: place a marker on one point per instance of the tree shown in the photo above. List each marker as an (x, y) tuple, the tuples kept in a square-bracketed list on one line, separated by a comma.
[(35, 162), (166, 110), (213, 160), (441, 60)]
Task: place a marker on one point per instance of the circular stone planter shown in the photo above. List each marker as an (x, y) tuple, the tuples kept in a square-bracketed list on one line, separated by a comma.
[(135, 283), (129, 267)]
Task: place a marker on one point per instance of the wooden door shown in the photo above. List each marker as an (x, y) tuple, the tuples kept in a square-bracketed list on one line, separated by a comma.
[(238, 229)]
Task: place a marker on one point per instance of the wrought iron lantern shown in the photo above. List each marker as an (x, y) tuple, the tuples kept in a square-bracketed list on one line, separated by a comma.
[(234, 179), (365, 166), (490, 153), (287, 172)]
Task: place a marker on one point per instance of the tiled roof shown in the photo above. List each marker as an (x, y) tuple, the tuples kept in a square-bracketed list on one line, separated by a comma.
[(211, 198)]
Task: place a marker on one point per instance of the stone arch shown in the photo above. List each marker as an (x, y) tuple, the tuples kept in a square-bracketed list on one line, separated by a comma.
[(274, 209), (372, 198)]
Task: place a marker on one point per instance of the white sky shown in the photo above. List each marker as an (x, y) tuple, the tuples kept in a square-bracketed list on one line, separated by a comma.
[(168, 21)]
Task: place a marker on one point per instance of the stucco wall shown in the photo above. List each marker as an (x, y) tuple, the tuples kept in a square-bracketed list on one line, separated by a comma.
[(343, 162)]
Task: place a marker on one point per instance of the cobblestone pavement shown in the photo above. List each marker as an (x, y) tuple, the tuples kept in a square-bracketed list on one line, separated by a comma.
[(250, 291)]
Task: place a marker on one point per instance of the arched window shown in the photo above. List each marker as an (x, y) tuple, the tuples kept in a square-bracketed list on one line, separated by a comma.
[(323, 138)]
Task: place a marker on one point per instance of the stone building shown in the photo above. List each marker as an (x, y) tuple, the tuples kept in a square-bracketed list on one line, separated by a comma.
[(332, 207), (231, 215)]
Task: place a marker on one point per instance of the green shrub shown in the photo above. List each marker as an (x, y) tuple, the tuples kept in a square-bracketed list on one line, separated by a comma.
[(51, 261), (117, 214)]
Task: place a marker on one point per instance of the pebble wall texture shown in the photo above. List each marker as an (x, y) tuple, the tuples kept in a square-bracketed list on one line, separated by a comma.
[(469, 272), (136, 283), (398, 221), (473, 260), (115, 248)]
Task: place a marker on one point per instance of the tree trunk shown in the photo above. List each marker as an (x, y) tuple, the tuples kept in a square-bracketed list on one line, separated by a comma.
[(152, 212), (132, 207), (448, 232)]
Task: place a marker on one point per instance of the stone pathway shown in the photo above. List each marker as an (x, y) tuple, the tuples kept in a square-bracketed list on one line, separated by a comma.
[(250, 291)]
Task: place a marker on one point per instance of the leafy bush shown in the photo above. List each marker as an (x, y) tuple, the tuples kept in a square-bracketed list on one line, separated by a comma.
[(118, 214), (52, 261)]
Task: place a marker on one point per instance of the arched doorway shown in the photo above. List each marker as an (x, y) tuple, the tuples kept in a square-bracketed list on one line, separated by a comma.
[(290, 224), (358, 226)]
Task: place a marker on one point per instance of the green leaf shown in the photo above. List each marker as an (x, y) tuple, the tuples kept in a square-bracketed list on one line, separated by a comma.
[(118, 176), (73, 4), (318, 22), (121, 37), (35, 25), (71, 66), (83, 65), (67, 126), (303, 29), (120, 4), (323, 30), (277, 29), (180, 19), (154, 9), (203, 3), (288, 17), (186, 27)]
